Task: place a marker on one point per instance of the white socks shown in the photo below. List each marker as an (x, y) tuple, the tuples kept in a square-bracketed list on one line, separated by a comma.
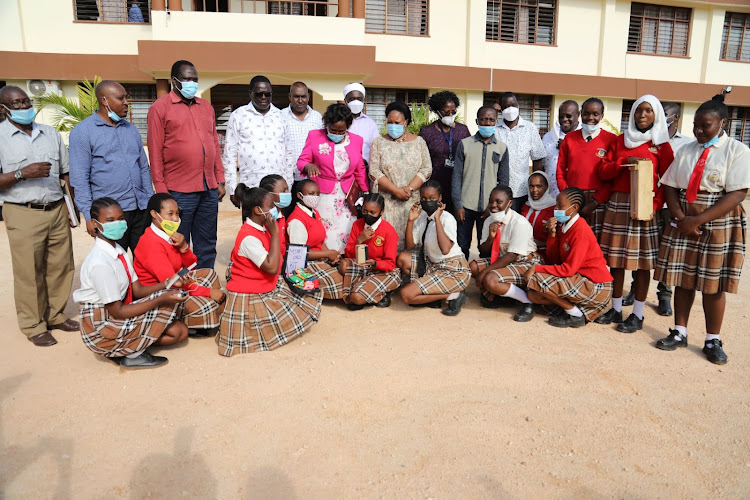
[(575, 312), (617, 304), (638, 308), (516, 293), (681, 332), (709, 338)]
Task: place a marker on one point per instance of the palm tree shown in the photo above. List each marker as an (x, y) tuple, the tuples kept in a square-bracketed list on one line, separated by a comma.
[(68, 112)]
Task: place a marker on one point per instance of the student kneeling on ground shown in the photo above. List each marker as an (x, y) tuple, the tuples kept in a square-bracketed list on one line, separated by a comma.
[(120, 317), (438, 269)]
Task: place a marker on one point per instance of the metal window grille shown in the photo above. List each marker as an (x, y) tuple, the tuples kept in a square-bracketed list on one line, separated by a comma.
[(112, 11), (521, 21), (659, 29), (377, 99), (738, 125), (735, 39), (140, 98), (400, 17), (533, 108)]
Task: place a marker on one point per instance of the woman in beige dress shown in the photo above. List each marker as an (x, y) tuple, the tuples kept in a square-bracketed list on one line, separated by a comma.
[(399, 164)]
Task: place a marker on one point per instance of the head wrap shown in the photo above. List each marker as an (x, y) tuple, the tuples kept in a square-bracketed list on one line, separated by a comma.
[(354, 86), (657, 134), (546, 200)]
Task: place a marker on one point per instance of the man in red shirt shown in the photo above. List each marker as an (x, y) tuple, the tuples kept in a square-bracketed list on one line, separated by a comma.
[(183, 148)]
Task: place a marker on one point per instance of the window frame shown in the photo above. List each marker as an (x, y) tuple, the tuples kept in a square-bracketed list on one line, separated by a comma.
[(627, 105), (745, 34), (745, 121), (520, 4), (128, 87), (409, 102), (419, 35), (658, 19), (492, 98), (91, 21)]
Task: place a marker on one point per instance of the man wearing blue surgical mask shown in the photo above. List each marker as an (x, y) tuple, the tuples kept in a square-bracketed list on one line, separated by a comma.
[(33, 163), (107, 159), (183, 148)]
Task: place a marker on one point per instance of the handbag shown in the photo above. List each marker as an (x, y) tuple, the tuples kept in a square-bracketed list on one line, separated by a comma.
[(295, 260), (354, 194)]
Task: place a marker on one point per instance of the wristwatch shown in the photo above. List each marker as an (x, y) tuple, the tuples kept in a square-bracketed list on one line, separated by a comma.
[(18, 175)]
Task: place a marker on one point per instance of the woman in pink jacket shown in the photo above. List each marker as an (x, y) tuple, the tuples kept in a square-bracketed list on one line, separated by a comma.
[(332, 157)]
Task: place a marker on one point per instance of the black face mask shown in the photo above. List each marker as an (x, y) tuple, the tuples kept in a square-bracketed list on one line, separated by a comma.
[(430, 206), (370, 219)]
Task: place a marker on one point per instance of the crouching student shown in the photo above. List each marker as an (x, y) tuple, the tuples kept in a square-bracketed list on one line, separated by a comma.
[(704, 249), (373, 281), (509, 239), (262, 312), (162, 252), (539, 208), (305, 227), (120, 317), (438, 269), (575, 277)]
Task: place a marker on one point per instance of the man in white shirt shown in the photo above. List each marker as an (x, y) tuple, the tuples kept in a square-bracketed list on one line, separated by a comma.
[(255, 141), (299, 119), (676, 139), (568, 120), (523, 141), (363, 125)]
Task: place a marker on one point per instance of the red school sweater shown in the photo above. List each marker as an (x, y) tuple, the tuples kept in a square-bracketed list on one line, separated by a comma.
[(537, 222), (578, 161), (613, 169), (383, 246), (156, 260), (316, 231), (246, 276), (575, 252)]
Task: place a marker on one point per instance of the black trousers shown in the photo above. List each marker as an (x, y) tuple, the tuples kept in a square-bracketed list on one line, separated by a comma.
[(138, 221)]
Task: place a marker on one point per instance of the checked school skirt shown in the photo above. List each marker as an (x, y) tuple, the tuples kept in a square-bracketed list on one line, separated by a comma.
[(115, 338), (254, 322), (331, 281), (628, 243), (201, 312), (446, 276), (710, 263), (591, 298), (596, 219), (513, 272), (372, 285)]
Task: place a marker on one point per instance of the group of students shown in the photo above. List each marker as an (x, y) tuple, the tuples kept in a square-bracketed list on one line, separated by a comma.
[(565, 257)]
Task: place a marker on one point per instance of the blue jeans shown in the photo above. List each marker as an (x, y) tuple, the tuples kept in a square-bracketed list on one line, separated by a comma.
[(465, 229), (200, 214)]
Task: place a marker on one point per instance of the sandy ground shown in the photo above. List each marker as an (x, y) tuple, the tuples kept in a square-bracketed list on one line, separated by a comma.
[(396, 403)]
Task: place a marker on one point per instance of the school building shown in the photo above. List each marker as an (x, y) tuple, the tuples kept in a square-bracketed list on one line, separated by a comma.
[(546, 51)]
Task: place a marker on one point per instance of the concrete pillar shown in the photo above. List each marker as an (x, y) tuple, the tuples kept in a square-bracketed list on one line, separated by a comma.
[(162, 87), (343, 8), (174, 5), (158, 5), (359, 9)]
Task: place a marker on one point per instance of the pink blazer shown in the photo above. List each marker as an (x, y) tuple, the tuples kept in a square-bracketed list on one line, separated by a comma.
[(319, 151)]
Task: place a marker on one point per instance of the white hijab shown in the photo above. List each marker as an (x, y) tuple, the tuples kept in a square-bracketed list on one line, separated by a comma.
[(657, 134), (546, 200)]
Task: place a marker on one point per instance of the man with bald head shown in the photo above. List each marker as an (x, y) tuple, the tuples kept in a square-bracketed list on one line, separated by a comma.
[(299, 119), (568, 120), (107, 159), (33, 163)]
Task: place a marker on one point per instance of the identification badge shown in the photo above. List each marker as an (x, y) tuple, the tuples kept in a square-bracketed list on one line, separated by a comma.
[(449, 163)]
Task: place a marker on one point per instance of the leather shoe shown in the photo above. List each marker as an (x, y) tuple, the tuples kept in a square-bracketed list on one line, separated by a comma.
[(432, 305), (495, 303), (629, 299), (565, 320), (525, 314), (201, 333), (665, 308), (355, 307), (68, 325), (670, 342), (715, 353), (44, 339), (454, 306), (385, 301), (630, 325), (608, 317), (145, 360)]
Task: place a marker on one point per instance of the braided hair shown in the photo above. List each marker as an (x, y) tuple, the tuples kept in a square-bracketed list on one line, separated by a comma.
[(375, 197), (101, 203), (575, 196), (505, 189)]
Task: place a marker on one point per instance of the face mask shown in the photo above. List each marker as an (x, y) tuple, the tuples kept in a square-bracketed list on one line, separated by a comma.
[(274, 213), (336, 138), (168, 226), (589, 130), (498, 216), (510, 114), (486, 130), (430, 206), (448, 120), (370, 219), (561, 216), (712, 141), (395, 130), (356, 107), (112, 115), (21, 116), (311, 201), (189, 89), (114, 230), (285, 199)]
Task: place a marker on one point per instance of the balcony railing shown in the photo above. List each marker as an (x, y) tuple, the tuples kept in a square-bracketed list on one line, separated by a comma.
[(113, 11), (320, 8)]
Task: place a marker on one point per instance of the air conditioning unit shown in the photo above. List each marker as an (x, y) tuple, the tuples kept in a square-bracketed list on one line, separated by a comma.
[(41, 87)]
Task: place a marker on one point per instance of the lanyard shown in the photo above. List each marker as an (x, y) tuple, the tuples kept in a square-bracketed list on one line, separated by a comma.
[(449, 138)]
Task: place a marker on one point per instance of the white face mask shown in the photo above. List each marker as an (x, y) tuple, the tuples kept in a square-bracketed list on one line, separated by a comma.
[(498, 217), (448, 120), (589, 130), (356, 107), (511, 113)]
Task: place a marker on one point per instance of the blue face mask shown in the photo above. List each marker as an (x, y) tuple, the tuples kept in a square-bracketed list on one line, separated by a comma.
[(114, 230), (395, 130), (112, 115), (712, 141), (561, 216), (486, 130), (189, 89), (274, 213), (22, 116), (589, 130), (336, 138), (285, 199)]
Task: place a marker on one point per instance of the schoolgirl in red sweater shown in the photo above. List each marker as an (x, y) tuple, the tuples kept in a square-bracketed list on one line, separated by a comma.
[(373, 281), (262, 312), (539, 208)]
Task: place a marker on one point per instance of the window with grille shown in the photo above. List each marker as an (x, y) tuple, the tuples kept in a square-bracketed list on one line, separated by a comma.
[(378, 99), (113, 11), (523, 21), (399, 17), (533, 108), (738, 126), (626, 106), (140, 98), (658, 29), (735, 39)]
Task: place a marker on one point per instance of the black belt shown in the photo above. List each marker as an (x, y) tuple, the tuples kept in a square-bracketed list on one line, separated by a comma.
[(38, 206)]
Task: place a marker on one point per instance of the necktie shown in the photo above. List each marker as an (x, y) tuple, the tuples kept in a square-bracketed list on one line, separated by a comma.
[(588, 139), (695, 177), (422, 260), (496, 245), (129, 295)]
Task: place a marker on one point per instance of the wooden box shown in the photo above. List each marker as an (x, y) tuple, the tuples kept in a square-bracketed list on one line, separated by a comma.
[(642, 190)]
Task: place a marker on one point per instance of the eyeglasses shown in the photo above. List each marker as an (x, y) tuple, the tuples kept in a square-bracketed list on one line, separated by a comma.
[(262, 94), (19, 104), (448, 113)]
